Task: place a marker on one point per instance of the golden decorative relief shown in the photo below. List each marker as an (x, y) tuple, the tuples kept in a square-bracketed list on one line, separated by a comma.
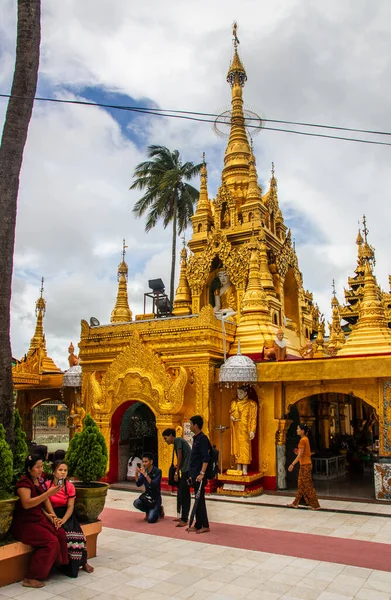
[(137, 373)]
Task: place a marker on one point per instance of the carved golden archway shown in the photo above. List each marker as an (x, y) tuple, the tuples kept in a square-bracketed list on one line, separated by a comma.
[(136, 373), (367, 392)]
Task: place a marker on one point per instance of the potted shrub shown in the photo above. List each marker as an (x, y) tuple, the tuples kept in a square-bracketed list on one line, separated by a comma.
[(87, 460), (7, 498)]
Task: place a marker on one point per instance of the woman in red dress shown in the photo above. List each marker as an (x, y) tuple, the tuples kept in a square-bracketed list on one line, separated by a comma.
[(32, 527), (63, 502)]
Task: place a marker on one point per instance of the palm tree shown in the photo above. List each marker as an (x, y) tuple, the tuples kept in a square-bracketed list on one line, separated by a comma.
[(168, 197), (13, 141)]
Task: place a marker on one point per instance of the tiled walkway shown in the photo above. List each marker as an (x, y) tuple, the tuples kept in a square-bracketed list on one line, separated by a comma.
[(155, 562)]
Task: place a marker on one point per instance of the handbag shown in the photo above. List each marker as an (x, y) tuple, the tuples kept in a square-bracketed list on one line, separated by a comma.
[(147, 500), (171, 473)]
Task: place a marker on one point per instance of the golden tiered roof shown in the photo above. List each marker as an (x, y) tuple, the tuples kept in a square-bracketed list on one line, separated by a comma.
[(36, 363), (371, 334)]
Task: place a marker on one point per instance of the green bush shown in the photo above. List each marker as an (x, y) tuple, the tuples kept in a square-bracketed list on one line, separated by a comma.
[(6, 467), (87, 453), (20, 446)]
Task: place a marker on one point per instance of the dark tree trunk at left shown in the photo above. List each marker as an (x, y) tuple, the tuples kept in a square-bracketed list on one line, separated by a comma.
[(13, 141)]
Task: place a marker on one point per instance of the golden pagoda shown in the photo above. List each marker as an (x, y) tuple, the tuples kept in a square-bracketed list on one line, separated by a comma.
[(240, 280), (36, 377)]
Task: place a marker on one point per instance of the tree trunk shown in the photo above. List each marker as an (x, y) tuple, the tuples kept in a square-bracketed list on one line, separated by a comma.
[(173, 251), (11, 156)]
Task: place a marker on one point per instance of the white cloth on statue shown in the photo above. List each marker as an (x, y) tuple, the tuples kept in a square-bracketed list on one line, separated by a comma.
[(132, 464)]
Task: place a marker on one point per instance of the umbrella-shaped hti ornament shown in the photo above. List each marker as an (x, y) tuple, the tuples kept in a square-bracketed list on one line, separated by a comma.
[(237, 370)]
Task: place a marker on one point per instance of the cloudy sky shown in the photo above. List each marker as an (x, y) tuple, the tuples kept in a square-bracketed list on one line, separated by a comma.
[(320, 62)]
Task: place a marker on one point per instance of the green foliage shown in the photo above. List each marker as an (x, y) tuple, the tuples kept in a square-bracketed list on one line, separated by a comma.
[(6, 466), (167, 197), (87, 453), (20, 446)]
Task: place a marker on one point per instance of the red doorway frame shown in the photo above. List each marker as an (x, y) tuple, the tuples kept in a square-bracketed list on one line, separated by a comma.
[(115, 434)]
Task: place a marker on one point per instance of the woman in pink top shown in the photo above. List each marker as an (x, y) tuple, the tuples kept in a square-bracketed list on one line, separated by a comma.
[(63, 503)]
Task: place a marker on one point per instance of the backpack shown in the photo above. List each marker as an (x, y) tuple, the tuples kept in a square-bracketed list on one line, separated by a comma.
[(212, 470)]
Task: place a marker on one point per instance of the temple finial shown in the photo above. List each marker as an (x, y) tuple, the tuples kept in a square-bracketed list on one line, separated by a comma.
[(124, 246), (272, 169), (235, 34), (333, 286), (237, 73), (365, 229)]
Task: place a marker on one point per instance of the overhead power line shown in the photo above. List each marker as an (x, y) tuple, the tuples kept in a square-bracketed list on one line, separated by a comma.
[(203, 118)]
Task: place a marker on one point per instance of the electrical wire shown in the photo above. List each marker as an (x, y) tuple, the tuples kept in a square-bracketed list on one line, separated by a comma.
[(188, 115)]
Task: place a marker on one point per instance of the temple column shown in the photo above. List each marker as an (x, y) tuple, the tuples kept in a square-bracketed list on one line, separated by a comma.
[(283, 426), (164, 450), (342, 416), (358, 413), (195, 302), (324, 420), (103, 422)]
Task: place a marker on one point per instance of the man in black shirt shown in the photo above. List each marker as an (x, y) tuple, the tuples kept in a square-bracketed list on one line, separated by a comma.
[(182, 451), (199, 459), (150, 477)]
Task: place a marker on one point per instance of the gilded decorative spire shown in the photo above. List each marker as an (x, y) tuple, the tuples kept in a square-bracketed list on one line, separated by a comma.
[(337, 335), (182, 302), (38, 339), (121, 312), (319, 341), (264, 271), (203, 205), (238, 152), (255, 311), (254, 192), (273, 194), (371, 334)]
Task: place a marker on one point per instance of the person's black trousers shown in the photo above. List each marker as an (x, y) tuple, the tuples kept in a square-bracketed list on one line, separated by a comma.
[(184, 498), (201, 514)]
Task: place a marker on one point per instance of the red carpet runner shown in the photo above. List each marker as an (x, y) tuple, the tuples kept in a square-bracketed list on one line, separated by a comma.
[(371, 555)]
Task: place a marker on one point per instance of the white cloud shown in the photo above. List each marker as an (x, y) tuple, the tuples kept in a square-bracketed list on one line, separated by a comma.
[(314, 62)]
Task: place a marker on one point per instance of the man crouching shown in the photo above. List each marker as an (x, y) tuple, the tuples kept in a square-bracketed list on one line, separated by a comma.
[(150, 477)]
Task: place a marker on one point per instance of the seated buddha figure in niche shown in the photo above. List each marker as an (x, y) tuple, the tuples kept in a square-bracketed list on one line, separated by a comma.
[(225, 302)]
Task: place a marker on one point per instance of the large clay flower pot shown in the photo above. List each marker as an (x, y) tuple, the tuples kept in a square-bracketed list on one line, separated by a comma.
[(90, 500), (7, 508)]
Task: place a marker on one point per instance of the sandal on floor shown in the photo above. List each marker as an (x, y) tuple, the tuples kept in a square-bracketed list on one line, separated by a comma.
[(292, 505)]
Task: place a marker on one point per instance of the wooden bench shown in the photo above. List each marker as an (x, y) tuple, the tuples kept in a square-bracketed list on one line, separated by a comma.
[(15, 558)]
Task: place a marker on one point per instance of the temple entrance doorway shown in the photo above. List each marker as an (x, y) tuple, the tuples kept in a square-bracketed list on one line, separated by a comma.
[(133, 432), (49, 424), (344, 440)]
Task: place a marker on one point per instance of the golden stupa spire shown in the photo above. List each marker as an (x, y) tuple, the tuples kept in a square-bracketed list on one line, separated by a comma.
[(182, 302), (38, 339), (238, 151), (121, 312), (255, 311), (337, 336), (254, 193), (264, 271), (203, 204), (371, 334)]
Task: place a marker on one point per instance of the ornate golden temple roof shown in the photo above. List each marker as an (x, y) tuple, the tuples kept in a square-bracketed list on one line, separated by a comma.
[(36, 363), (371, 334), (121, 312)]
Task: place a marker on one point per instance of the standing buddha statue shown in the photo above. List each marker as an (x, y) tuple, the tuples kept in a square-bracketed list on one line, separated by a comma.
[(243, 413)]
